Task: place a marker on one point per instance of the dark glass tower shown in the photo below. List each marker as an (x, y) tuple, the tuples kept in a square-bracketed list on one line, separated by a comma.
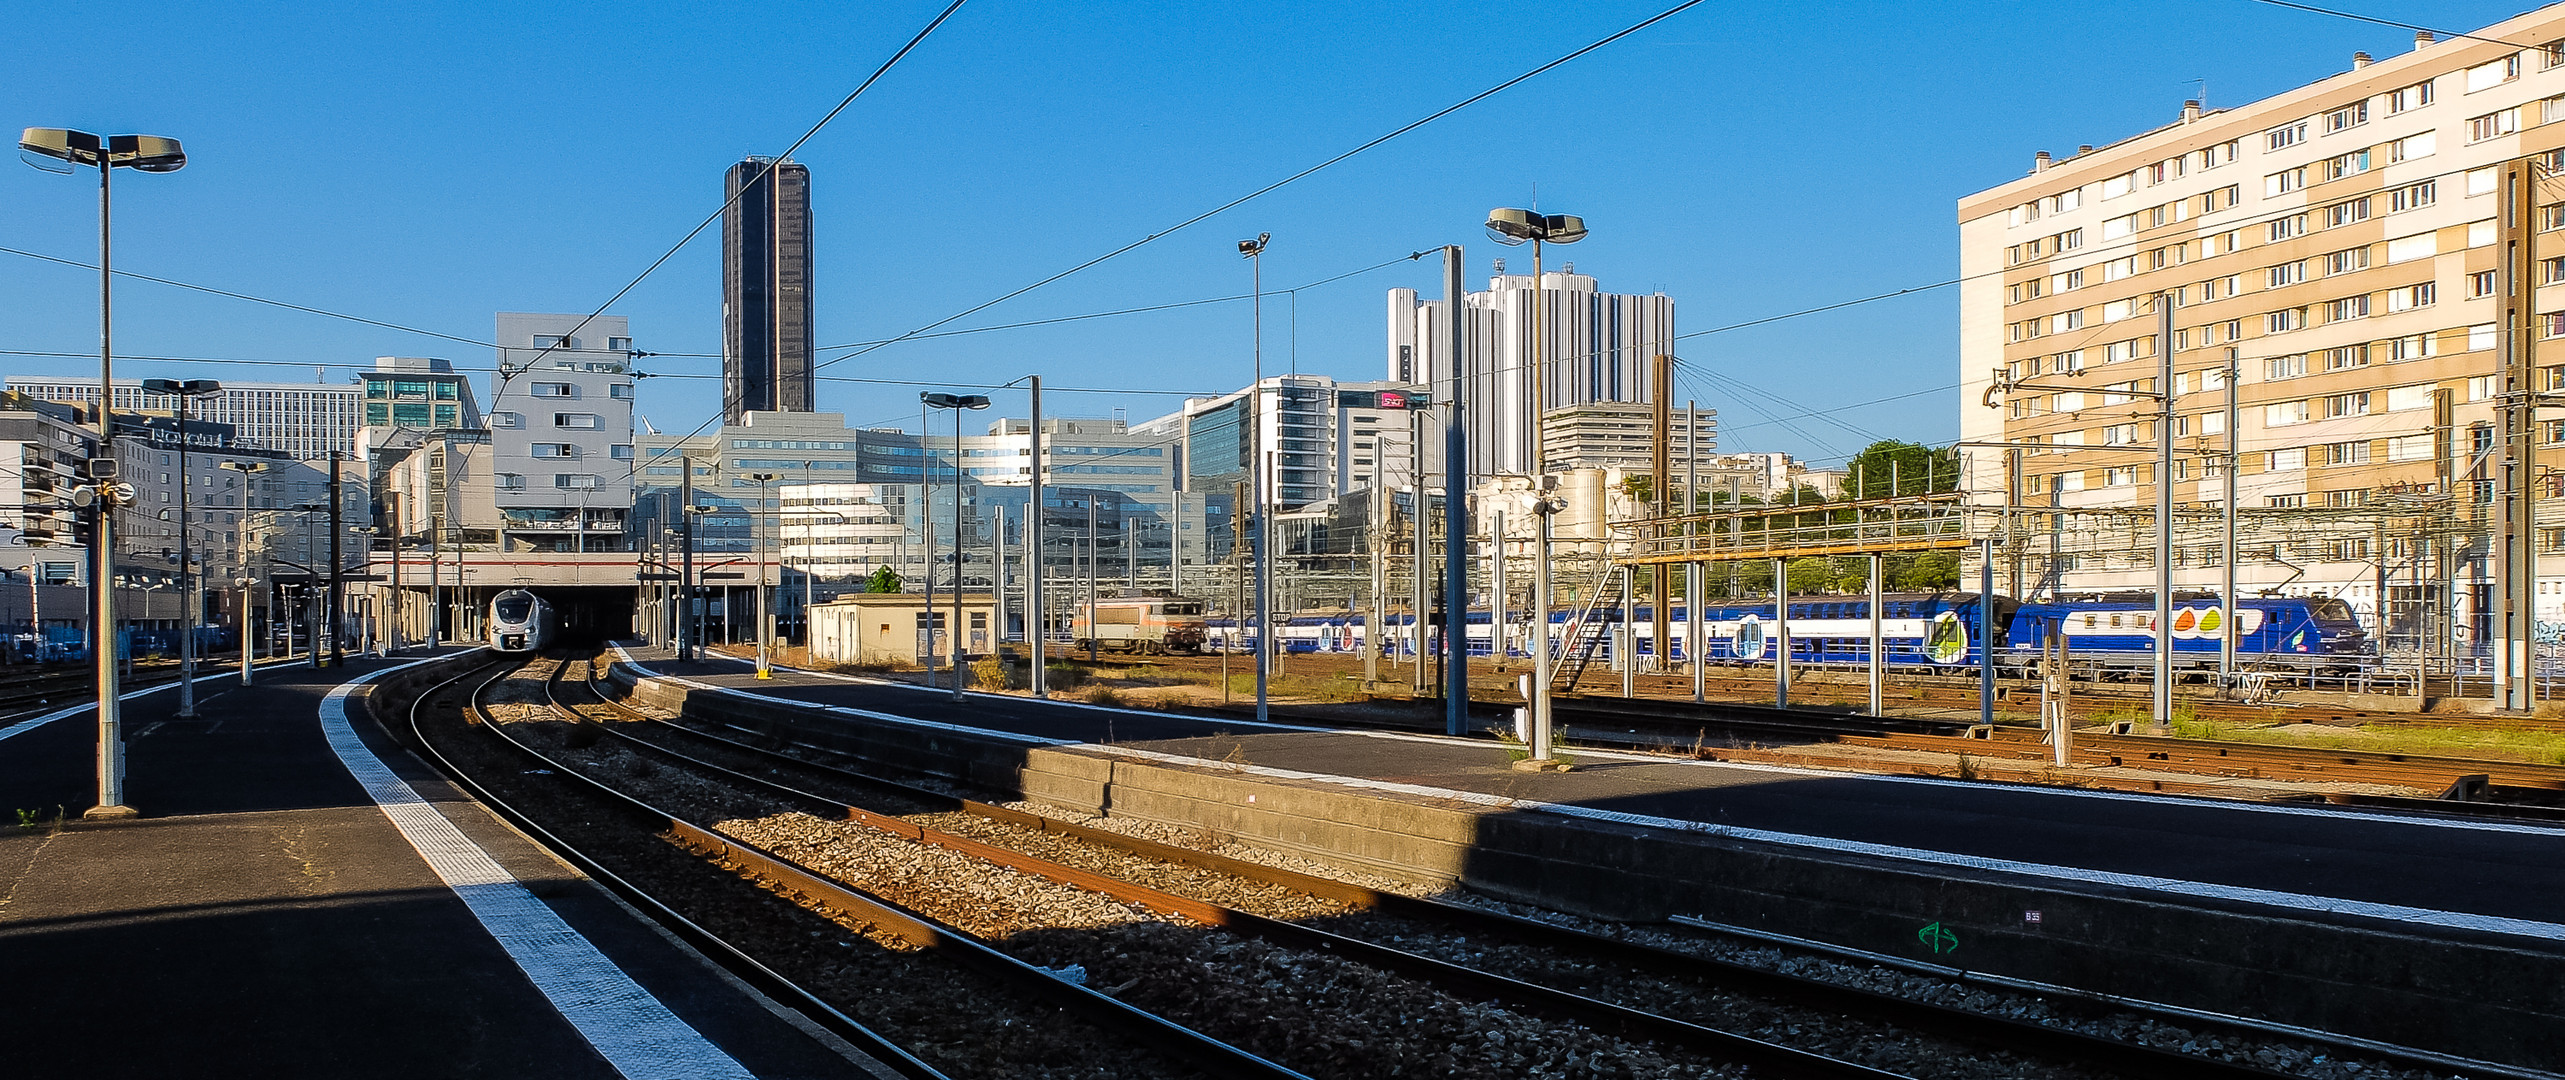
[(765, 289)]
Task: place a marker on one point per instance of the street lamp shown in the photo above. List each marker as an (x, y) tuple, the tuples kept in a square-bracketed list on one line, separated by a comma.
[(1515, 227), (145, 153), (246, 469), (185, 392), (957, 403), (1254, 252), (757, 542)]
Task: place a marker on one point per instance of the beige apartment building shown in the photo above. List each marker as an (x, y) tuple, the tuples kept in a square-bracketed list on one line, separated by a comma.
[(2336, 248)]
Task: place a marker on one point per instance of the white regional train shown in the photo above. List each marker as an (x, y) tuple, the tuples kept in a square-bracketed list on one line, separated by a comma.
[(520, 622)]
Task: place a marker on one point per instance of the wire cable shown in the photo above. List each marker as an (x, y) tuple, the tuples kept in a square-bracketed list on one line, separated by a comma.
[(726, 204), (1278, 184)]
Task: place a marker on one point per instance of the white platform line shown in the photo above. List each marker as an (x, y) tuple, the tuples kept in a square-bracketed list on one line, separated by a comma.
[(2457, 920), (2234, 806), (631, 1029), (32, 723)]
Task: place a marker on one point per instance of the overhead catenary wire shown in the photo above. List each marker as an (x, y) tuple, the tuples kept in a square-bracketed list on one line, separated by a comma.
[(762, 174), (1276, 185)]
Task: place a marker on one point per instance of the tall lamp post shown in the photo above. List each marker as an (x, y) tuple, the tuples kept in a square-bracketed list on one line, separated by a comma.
[(957, 403), (143, 153), (765, 482), (246, 469), (185, 392), (1514, 227), (1254, 252)]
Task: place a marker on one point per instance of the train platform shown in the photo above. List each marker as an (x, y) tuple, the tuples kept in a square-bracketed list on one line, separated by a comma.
[(2415, 873), (300, 896)]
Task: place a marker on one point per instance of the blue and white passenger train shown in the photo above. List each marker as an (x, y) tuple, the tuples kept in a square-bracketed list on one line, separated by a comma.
[(1919, 630), (520, 622)]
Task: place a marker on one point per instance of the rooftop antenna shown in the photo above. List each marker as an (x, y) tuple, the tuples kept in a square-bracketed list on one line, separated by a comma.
[(2203, 95), (319, 374)]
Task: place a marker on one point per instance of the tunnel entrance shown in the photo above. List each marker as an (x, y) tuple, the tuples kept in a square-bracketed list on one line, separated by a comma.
[(590, 615)]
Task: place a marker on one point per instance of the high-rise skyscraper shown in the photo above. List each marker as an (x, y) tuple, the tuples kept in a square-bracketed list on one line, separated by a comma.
[(765, 289)]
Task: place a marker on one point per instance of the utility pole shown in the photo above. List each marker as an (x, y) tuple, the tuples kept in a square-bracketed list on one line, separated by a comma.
[(2515, 561), (338, 655), (1456, 525), (1037, 617), (1661, 479), (686, 570), (1416, 489), (2163, 526)]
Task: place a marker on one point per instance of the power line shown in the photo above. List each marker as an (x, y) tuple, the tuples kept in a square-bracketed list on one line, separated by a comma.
[(769, 170), (1276, 185), (324, 312), (2382, 22)]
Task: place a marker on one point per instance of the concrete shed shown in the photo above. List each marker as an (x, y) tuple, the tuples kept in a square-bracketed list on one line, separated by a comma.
[(875, 628)]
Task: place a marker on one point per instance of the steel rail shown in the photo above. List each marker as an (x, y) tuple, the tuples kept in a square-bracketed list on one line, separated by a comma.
[(782, 988), (1459, 979), (2118, 1056), (961, 947)]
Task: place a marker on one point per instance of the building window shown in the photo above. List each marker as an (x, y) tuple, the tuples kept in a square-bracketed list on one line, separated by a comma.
[(550, 341), (2413, 197), (2284, 136), (2347, 118), (2346, 358), (2284, 228), (618, 344), (2285, 274), (554, 389), (2412, 296), (2286, 367), (2340, 405), (2409, 98), (555, 450), (620, 391), (2285, 320), (574, 480), (2350, 261), (584, 421), (2486, 76), (2412, 146), (2493, 124), (2347, 453), (2347, 213), (620, 451), (2481, 283)]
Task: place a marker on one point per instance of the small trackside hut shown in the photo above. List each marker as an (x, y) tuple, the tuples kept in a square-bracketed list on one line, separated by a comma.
[(897, 628)]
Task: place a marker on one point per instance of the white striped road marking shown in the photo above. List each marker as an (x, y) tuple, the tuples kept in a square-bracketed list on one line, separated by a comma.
[(627, 1026)]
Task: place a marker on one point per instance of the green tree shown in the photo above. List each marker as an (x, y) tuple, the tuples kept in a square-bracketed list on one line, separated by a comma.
[(1895, 467), (882, 580)]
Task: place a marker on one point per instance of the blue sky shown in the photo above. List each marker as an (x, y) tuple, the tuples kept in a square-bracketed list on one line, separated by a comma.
[(431, 164)]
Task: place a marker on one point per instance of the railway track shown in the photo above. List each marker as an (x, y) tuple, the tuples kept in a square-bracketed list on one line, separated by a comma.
[(935, 1002), (1532, 965)]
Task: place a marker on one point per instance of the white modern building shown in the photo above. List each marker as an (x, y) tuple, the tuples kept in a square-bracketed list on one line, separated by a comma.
[(1596, 347), (302, 420), (560, 424)]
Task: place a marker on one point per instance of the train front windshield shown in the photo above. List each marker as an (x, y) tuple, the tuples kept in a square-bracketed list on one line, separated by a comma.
[(1189, 610), (513, 609), (2328, 609)]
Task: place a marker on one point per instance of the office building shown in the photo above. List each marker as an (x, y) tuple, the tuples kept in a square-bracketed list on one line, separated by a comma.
[(303, 420), (1596, 347), (560, 426), (765, 289), (2330, 255), (1615, 435)]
